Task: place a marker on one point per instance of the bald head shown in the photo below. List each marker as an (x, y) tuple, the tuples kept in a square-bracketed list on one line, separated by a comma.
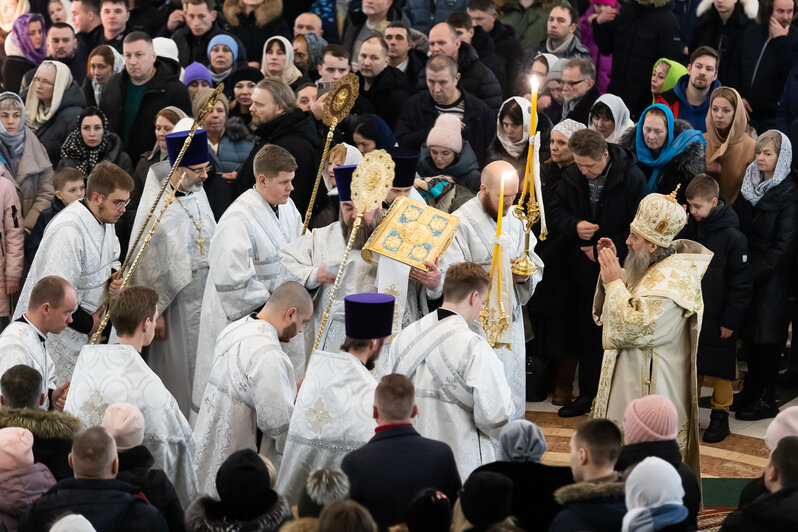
[(307, 23), (490, 189), (495, 171), (94, 455), (443, 40), (288, 309)]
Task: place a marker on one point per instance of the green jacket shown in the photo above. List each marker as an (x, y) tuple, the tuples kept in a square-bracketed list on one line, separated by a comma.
[(530, 23)]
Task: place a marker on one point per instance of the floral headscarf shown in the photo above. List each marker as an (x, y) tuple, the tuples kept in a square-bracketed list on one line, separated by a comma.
[(76, 149), (754, 187)]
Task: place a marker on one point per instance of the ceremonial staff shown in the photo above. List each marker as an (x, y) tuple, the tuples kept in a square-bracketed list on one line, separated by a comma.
[(337, 105), (493, 318)]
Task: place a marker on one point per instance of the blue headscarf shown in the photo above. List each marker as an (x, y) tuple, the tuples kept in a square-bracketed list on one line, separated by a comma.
[(671, 149)]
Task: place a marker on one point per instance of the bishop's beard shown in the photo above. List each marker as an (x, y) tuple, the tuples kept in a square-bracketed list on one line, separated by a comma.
[(636, 266), (363, 232)]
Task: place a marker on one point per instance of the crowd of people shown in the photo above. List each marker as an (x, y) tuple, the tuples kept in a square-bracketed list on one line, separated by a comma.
[(168, 356)]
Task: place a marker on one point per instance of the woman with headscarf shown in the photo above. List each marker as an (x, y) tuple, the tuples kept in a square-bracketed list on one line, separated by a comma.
[(239, 88), (730, 149), (222, 55), (104, 62), (512, 134), (372, 133), (24, 159), (654, 498), (10, 10), (610, 117), (664, 76), (278, 61), (670, 153), (307, 54), (768, 210), (25, 49), (52, 105), (91, 142)]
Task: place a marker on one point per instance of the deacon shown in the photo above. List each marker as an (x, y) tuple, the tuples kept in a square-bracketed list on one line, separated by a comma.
[(80, 246), (474, 242), (175, 264), (651, 315), (462, 394), (252, 386), (52, 302), (333, 412), (116, 373), (244, 261)]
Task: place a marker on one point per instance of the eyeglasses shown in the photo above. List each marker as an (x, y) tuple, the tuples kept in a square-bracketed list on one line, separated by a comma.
[(119, 204), (205, 170), (573, 84), (43, 81)]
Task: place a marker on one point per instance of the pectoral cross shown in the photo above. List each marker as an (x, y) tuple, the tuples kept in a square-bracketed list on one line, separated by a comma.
[(201, 242)]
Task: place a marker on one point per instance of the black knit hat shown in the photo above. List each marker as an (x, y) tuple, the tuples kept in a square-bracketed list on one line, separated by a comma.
[(429, 511), (487, 498), (243, 485)]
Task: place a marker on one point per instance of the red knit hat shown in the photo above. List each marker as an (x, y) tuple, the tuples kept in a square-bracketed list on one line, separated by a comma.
[(650, 418)]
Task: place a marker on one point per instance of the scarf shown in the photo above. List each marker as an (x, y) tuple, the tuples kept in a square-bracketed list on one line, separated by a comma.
[(654, 495), (23, 6), (620, 114), (221, 76), (163, 155), (522, 441), (561, 49), (290, 72), (315, 46), (76, 149), (12, 146), (515, 149), (676, 71), (671, 149), (35, 111), (19, 38), (717, 144), (754, 186)]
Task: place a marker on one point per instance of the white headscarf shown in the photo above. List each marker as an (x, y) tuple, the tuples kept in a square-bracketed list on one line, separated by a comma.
[(290, 72), (353, 156), (37, 114), (23, 6), (620, 113), (754, 187), (652, 484), (119, 65), (515, 149)]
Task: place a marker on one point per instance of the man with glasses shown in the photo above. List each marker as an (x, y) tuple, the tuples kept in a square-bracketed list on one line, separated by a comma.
[(175, 264), (578, 89), (81, 247)]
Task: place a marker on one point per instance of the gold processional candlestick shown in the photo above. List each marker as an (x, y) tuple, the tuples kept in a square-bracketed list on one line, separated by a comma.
[(493, 319), (530, 207), (337, 105)]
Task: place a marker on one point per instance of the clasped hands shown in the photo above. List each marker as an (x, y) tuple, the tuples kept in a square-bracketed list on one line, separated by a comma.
[(608, 260)]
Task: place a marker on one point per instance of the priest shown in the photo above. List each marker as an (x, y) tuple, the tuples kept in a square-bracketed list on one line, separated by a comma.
[(651, 314), (175, 264), (333, 412), (80, 246), (474, 242), (243, 259), (251, 389), (116, 373)]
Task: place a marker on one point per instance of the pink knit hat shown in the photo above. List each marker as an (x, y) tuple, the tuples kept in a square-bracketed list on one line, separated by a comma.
[(650, 418), (16, 448), (125, 423), (447, 133), (784, 424)]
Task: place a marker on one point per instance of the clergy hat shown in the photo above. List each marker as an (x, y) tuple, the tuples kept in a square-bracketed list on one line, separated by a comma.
[(343, 181), (659, 218), (197, 152), (369, 316), (406, 161)]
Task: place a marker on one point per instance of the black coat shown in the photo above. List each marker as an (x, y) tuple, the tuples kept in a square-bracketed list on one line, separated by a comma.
[(356, 19), (53, 133), (419, 114), (88, 93), (770, 226), (107, 504), (680, 170), (581, 111), (411, 462), (163, 89), (485, 48), (14, 69), (509, 48), (253, 37), (710, 31), (533, 482), (416, 62), (191, 48), (668, 451), (387, 94), (726, 286), (768, 513), (590, 506), (135, 467), (637, 37), (113, 154)]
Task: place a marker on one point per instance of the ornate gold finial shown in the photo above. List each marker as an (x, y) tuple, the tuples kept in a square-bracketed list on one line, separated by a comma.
[(206, 109), (372, 180), (340, 99), (672, 196)]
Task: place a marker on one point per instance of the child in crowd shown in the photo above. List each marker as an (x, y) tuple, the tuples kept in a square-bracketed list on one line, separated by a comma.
[(69, 185)]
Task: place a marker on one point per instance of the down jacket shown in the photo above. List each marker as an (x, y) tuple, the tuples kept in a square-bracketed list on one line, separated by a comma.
[(202, 515), (12, 236), (20, 487)]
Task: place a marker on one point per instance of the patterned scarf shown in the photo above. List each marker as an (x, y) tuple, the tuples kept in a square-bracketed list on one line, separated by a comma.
[(76, 149), (12, 146), (754, 186)]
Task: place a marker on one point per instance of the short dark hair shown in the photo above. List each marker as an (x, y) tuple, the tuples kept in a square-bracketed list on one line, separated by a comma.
[(335, 50), (703, 187), (136, 36), (103, 2), (107, 177), (93, 452), (50, 289), (356, 344), (785, 459), (62, 26), (21, 387), (482, 5), (272, 159), (460, 20), (584, 64), (512, 110), (602, 438), (346, 516), (766, 11), (587, 143), (131, 306), (701, 51), (210, 3), (571, 12), (65, 175), (462, 279), (601, 110), (395, 397), (90, 6), (401, 25)]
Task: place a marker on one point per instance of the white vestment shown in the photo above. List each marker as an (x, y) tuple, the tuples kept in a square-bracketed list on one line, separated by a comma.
[(462, 394), (109, 374), (21, 343), (173, 266), (332, 417), (251, 386), (84, 252), (244, 269), (474, 242)]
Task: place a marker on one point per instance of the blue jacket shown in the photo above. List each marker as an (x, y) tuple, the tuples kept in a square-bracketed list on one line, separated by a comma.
[(234, 147), (424, 14), (590, 507), (676, 99)]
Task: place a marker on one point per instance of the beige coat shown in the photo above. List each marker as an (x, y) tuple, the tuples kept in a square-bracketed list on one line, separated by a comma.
[(34, 180)]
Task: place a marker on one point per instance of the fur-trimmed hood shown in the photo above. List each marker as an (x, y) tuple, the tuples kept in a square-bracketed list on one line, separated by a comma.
[(267, 11), (237, 130), (589, 491), (202, 515), (45, 424), (750, 7)]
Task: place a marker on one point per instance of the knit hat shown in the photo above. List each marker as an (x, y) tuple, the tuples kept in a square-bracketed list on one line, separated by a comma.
[(486, 498), (243, 485), (73, 523), (429, 511), (522, 441), (650, 418), (16, 448), (226, 40), (196, 71), (125, 423), (166, 48), (784, 424), (568, 127), (447, 133), (245, 73)]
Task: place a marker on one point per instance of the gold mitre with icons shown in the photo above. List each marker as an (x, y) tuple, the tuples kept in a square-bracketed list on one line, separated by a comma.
[(411, 233), (659, 218)]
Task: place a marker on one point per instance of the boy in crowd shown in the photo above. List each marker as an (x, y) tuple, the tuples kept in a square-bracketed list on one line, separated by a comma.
[(69, 185)]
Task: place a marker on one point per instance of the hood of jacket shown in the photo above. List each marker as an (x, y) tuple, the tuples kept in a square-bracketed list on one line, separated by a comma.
[(680, 90), (22, 486), (138, 457), (748, 7), (590, 491), (46, 424), (297, 123), (778, 511), (73, 97), (202, 514), (600, 505)]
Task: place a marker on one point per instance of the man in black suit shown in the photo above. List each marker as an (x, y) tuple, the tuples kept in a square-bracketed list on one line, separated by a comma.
[(398, 453)]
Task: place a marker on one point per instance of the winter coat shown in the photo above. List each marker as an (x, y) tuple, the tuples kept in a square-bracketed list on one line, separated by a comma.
[(14, 69), (771, 230), (35, 236), (638, 36), (769, 512), (581, 111), (20, 487), (34, 179), (680, 170), (52, 435), (483, 45), (191, 48), (148, 16), (464, 169), (499, 153), (53, 133), (669, 451), (88, 93), (357, 19), (590, 506), (533, 482), (203, 515), (530, 23), (387, 94), (135, 467), (233, 150), (163, 90), (419, 114), (676, 99), (113, 154), (709, 30), (508, 48), (787, 119), (107, 504), (726, 287), (763, 92), (424, 14), (12, 236), (249, 33), (603, 62)]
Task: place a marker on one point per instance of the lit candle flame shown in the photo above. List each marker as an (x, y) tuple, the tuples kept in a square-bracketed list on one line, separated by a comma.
[(534, 83)]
